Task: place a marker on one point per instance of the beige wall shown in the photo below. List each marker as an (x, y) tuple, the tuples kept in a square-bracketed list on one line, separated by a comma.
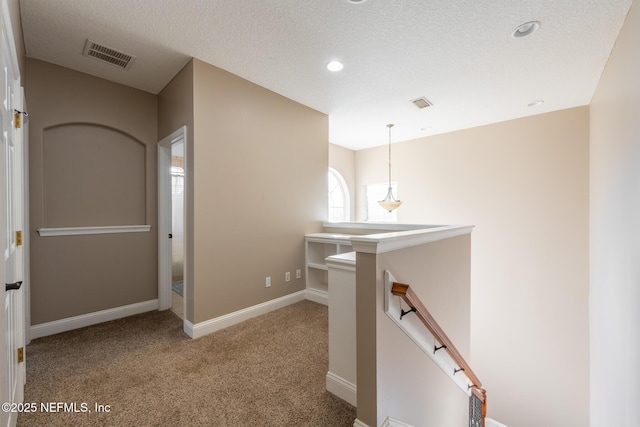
[(410, 386), (260, 167), (344, 161), (272, 150), (85, 130), (175, 109), (524, 185), (615, 228)]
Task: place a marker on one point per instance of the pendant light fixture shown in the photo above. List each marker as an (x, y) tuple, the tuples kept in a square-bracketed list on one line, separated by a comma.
[(390, 203)]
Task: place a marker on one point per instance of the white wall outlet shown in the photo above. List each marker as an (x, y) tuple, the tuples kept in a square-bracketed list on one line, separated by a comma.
[(267, 282), (298, 274), (287, 277)]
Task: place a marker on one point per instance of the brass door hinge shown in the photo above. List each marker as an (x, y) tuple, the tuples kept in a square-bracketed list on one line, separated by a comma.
[(18, 238), (17, 118), (21, 355)]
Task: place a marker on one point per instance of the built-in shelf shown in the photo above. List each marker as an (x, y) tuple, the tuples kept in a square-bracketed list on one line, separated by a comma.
[(342, 238), (318, 247), (78, 231)]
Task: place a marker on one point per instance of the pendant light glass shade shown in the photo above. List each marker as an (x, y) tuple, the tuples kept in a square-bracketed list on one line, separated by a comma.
[(390, 203)]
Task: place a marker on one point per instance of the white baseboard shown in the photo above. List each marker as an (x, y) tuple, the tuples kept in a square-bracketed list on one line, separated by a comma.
[(76, 322), (389, 422), (209, 326), (187, 327), (342, 388), (317, 296), (392, 422)]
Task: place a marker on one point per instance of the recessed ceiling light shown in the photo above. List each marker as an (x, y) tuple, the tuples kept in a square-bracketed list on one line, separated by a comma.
[(525, 29), (535, 103), (356, 1), (335, 66)]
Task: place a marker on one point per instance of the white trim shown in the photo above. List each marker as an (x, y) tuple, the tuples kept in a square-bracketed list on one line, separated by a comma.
[(76, 322), (384, 226), (341, 239), (392, 422), (317, 266), (77, 231), (26, 229), (213, 325), (315, 295), (342, 388), (346, 261), (187, 327), (387, 242), (358, 423)]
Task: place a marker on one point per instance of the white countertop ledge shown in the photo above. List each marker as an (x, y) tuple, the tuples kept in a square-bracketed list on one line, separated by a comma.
[(346, 261), (387, 242), (78, 231)]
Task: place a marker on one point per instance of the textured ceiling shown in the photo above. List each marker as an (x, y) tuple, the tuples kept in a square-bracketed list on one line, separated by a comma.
[(458, 54)]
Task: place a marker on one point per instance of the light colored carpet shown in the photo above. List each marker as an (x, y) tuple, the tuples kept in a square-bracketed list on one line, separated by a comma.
[(267, 371)]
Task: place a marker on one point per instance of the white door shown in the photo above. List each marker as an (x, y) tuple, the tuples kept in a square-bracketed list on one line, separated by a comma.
[(11, 184)]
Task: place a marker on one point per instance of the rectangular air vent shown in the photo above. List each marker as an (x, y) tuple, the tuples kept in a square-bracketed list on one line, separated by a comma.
[(109, 55), (422, 102)]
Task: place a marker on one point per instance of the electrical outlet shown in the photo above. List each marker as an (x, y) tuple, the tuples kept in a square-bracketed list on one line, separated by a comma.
[(267, 282), (287, 277), (298, 274)]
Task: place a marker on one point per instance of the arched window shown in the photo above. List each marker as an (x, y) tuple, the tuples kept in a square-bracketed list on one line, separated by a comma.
[(338, 198)]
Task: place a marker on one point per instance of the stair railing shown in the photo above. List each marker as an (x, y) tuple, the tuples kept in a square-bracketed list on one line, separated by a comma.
[(478, 395)]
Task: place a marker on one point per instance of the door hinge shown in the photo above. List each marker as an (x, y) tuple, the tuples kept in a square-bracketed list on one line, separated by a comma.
[(21, 355), (18, 238), (17, 118)]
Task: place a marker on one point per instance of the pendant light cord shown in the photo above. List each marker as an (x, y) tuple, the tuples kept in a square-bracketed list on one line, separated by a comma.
[(390, 203), (390, 126)]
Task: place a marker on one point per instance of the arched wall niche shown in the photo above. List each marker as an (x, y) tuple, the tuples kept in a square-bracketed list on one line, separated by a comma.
[(93, 175)]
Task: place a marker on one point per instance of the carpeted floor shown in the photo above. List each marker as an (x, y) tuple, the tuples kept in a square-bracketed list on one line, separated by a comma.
[(267, 371)]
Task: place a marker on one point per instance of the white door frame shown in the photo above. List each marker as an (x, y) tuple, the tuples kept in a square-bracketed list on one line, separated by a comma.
[(26, 235), (164, 219)]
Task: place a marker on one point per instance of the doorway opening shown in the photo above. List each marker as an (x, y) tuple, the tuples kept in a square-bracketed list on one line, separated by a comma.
[(172, 280), (177, 228)]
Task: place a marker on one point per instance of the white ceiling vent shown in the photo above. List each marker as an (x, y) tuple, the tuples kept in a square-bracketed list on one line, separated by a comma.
[(109, 55), (422, 102)]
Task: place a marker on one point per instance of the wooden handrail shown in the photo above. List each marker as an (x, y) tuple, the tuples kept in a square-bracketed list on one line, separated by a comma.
[(412, 300)]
